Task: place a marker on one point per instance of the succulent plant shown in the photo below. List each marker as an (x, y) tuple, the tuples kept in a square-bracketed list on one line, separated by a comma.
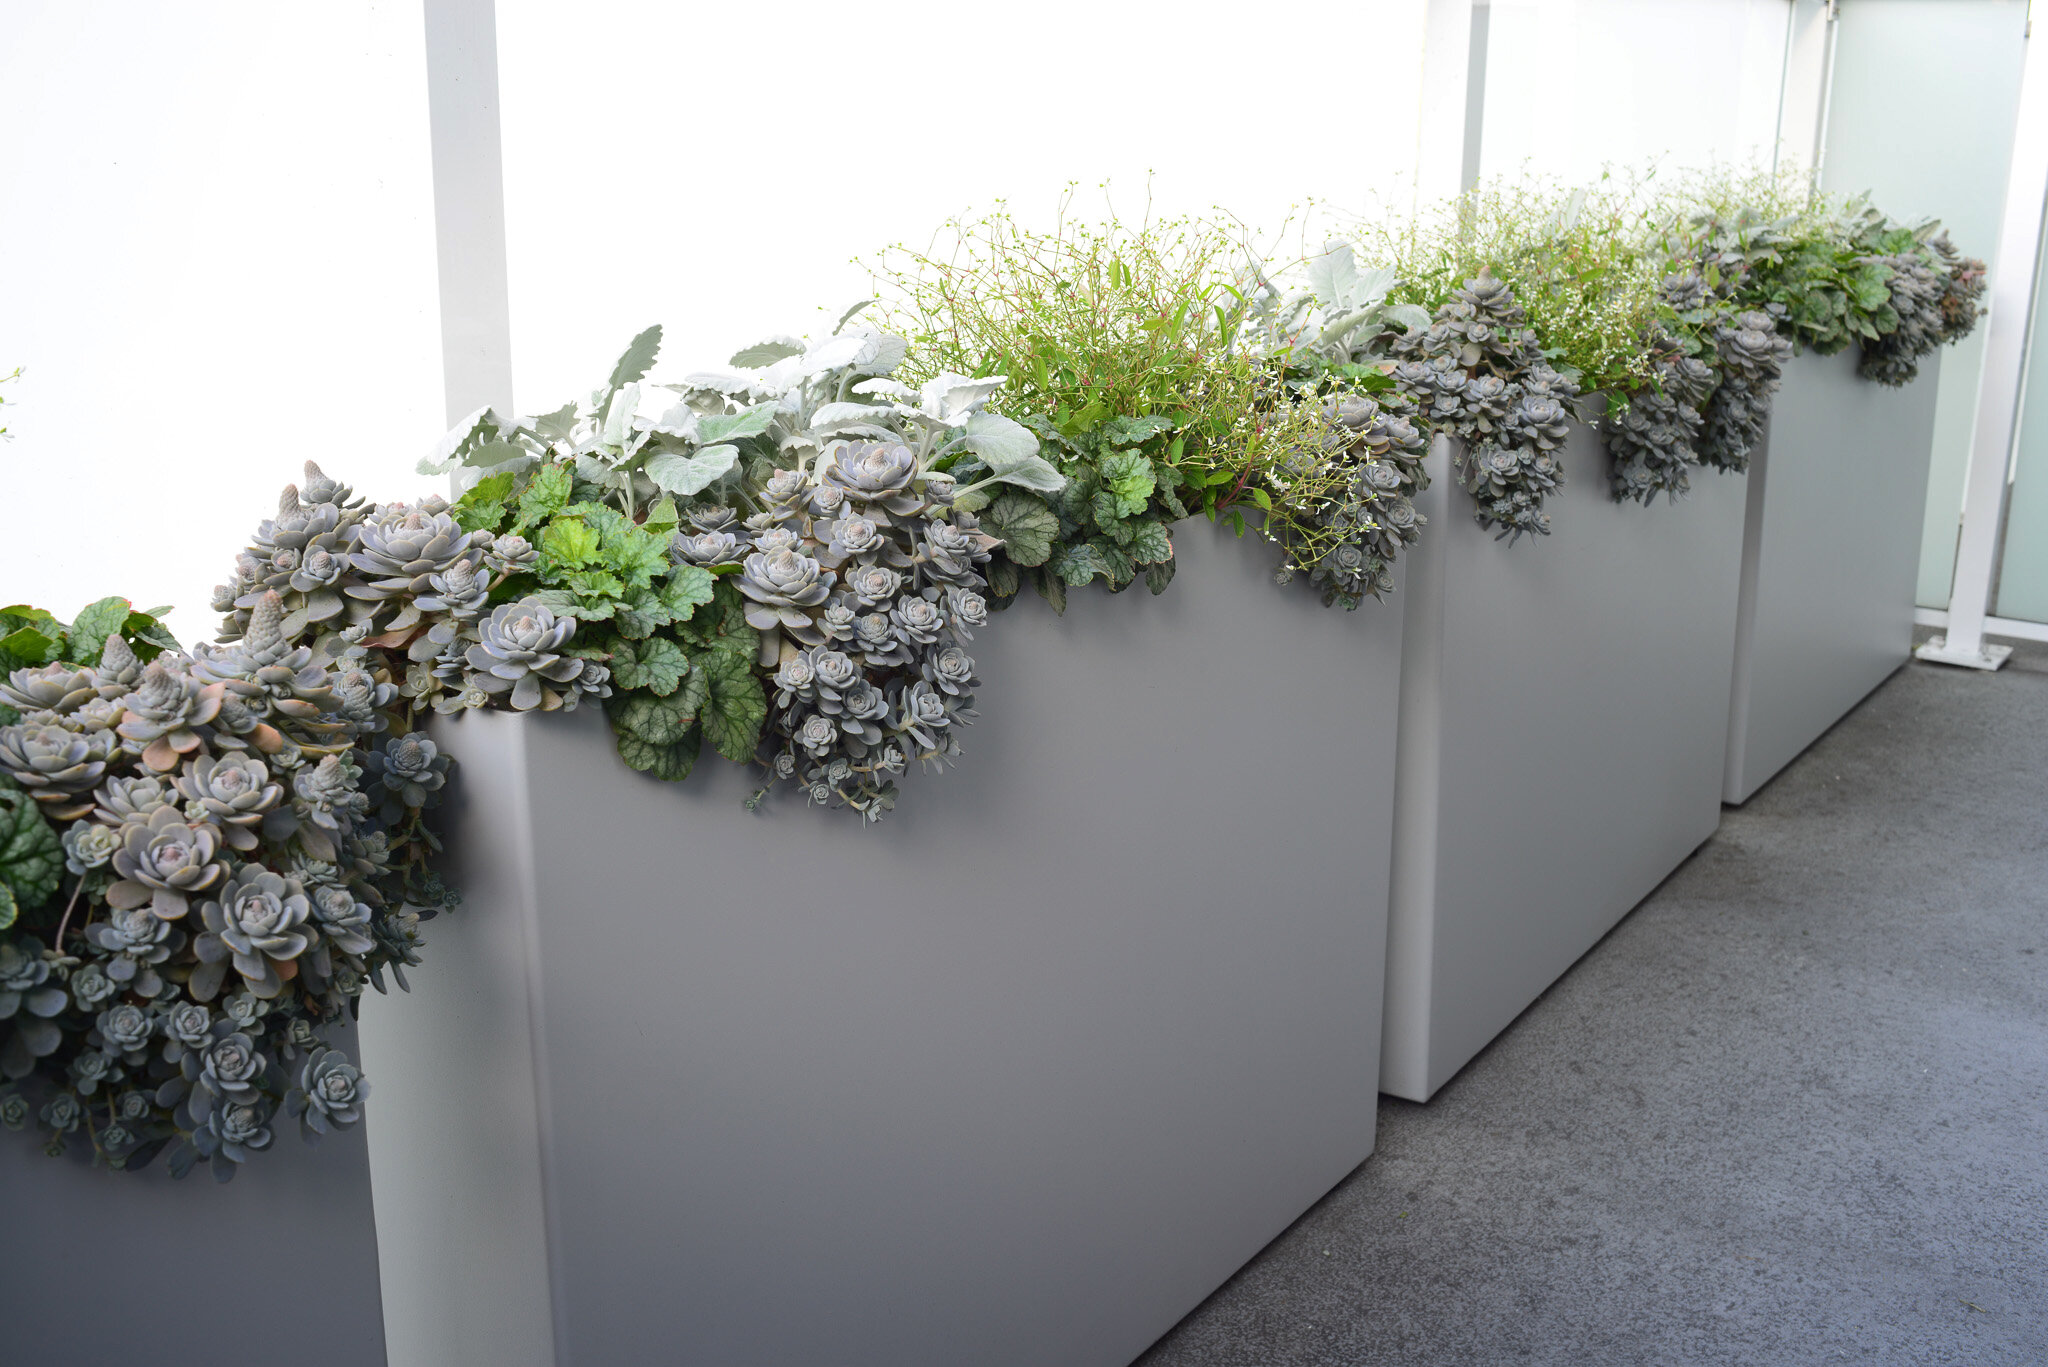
[(56, 688), (235, 793), (54, 764), (1933, 292), (330, 1094), (1477, 373), (258, 921), (162, 861), (1752, 360), (228, 1134), (216, 776), (519, 653)]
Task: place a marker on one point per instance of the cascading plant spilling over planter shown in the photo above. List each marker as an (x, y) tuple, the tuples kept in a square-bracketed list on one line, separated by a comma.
[(206, 855), (800, 521), (205, 858)]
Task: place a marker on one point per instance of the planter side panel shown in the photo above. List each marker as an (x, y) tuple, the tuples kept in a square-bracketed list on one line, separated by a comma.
[(1573, 738), (454, 1120), (70, 1224), (1832, 559), (1019, 1076)]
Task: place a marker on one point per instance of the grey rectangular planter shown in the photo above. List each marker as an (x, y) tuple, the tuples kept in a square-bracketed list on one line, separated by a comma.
[(1562, 710), (295, 1216), (1830, 557), (1017, 1077)]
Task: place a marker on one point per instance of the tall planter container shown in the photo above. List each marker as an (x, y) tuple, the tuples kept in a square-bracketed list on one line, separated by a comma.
[(1017, 1077), (296, 1216), (1831, 551), (1561, 744)]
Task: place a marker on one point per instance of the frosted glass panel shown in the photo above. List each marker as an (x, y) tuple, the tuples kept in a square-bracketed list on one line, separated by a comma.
[(1574, 85), (1925, 100), (2023, 572), (217, 233), (714, 168)]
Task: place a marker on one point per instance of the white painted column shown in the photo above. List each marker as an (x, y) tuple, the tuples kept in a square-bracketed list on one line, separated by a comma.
[(1453, 100), (2002, 387), (469, 205), (1803, 94)]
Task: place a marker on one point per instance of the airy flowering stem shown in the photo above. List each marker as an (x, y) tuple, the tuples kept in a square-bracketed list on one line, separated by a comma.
[(57, 943)]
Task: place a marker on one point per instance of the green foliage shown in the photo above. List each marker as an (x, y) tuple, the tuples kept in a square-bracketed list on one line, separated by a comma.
[(1583, 263), (1117, 345), (31, 859), (30, 636)]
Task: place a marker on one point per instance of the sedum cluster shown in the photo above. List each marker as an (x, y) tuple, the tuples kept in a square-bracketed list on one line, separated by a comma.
[(1653, 439), (1750, 356), (408, 581), (1935, 292), (1343, 495), (206, 858), (1347, 459), (1477, 373)]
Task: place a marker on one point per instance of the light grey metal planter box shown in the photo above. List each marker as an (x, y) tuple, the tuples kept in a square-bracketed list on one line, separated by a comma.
[(294, 1217), (1562, 709), (1830, 557), (1017, 1077)]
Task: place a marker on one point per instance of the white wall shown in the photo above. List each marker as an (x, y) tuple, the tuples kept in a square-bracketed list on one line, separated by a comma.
[(1925, 102), (217, 252), (716, 168), (1573, 86)]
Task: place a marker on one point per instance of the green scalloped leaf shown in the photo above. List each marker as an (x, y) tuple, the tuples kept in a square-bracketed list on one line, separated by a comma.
[(1149, 543), (736, 708), (149, 636), (656, 664), (687, 588), (483, 507), (94, 625), (671, 762), (1028, 528), (31, 855), (546, 494)]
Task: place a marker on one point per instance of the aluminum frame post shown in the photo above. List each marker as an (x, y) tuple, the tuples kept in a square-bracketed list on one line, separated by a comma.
[(2002, 387)]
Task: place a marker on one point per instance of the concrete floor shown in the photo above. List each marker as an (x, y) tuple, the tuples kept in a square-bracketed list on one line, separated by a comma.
[(1794, 1109)]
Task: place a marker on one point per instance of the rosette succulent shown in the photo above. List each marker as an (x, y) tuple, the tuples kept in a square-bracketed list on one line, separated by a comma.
[(519, 653), (1752, 358), (330, 1094), (1477, 373), (226, 778), (259, 923)]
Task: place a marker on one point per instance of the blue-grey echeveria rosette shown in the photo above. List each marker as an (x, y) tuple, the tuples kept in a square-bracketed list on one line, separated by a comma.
[(330, 1092), (520, 655), (257, 923), (162, 861)]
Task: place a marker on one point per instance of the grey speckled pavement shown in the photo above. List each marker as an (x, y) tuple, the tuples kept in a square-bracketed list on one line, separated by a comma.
[(1794, 1109)]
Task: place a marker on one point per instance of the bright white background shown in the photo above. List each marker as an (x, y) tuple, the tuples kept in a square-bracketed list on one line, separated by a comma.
[(1575, 85), (717, 168), (216, 262), (215, 220)]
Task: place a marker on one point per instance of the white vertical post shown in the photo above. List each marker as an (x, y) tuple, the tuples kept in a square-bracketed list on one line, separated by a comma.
[(1803, 92), (469, 205), (2008, 325), (1453, 100)]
